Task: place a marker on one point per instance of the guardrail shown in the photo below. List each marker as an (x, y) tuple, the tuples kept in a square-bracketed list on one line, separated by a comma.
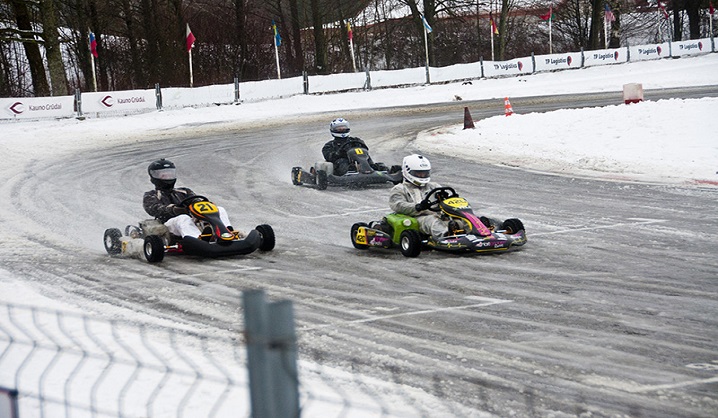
[(96, 104)]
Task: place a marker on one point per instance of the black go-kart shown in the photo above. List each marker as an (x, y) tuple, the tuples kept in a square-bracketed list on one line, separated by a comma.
[(153, 240), (482, 234), (360, 174)]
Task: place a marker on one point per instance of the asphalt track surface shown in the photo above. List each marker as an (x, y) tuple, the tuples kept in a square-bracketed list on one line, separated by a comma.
[(611, 309)]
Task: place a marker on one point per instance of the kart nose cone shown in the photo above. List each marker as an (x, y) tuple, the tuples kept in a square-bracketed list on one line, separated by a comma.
[(227, 235)]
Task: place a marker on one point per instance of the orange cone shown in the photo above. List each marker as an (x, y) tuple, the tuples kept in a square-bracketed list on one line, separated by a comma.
[(507, 107), (468, 122)]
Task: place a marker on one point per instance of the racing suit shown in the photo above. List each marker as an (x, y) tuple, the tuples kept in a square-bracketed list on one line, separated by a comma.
[(335, 152), (162, 204), (403, 199)]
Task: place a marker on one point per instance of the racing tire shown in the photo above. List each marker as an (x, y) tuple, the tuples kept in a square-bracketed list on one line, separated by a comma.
[(322, 180), (295, 176), (154, 249), (113, 245), (395, 169), (268, 238), (353, 234), (513, 225), (410, 243)]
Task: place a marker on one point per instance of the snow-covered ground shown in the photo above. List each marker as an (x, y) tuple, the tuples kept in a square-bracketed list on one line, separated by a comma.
[(664, 141)]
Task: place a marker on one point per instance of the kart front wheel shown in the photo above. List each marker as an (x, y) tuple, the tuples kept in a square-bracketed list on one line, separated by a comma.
[(296, 171), (268, 239), (154, 248), (113, 245), (513, 225), (410, 242), (354, 232)]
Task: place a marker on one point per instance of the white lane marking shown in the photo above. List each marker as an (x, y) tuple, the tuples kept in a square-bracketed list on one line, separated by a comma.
[(339, 215), (653, 388), (423, 312), (591, 228)]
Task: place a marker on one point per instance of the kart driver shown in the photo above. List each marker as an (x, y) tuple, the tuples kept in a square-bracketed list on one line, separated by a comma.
[(335, 151), (407, 197), (163, 201)]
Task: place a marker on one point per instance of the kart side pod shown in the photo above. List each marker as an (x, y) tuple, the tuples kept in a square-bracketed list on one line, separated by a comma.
[(400, 223)]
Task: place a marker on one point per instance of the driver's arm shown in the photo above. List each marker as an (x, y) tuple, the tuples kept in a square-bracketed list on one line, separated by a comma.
[(402, 202), (155, 207)]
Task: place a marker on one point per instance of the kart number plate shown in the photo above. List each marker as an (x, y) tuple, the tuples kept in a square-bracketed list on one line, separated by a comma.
[(361, 236), (204, 208)]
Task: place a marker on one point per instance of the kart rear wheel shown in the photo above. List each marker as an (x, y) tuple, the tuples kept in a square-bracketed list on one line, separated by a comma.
[(410, 242), (513, 225), (268, 239), (154, 248), (354, 231), (113, 245), (322, 180)]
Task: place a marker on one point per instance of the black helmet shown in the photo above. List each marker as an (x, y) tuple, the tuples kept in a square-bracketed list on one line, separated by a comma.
[(163, 174)]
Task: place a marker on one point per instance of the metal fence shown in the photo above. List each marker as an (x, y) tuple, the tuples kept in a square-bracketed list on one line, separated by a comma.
[(63, 364)]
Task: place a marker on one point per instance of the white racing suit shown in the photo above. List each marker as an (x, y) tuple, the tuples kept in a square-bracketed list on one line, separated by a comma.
[(403, 199)]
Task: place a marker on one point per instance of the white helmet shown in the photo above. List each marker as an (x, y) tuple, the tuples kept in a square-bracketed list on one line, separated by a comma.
[(339, 128), (416, 169)]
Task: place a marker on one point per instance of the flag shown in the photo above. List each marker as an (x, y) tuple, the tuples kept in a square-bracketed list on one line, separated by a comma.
[(349, 31), (277, 38), (426, 25), (549, 15), (710, 8), (608, 14), (93, 45), (190, 39), (663, 9), (494, 29)]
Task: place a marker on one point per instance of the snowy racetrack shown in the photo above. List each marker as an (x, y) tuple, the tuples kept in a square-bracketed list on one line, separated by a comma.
[(602, 313)]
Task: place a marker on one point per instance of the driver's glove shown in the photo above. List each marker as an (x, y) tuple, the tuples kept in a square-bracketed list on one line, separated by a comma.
[(423, 205), (177, 210)]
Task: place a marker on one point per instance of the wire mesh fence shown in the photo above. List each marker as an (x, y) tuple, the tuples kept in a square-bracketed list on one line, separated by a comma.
[(62, 364)]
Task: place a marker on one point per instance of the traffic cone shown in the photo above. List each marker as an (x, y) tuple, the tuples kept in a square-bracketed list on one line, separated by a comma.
[(508, 110), (468, 122)]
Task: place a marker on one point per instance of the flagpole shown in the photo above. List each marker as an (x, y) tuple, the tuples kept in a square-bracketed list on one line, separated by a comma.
[(191, 76), (92, 62), (550, 42), (605, 31), (426, 49), (491, 29), (276, 58)]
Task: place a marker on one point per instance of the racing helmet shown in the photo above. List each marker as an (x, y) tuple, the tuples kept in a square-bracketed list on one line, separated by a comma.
[(416, 169), (163, 174), (339, 128)]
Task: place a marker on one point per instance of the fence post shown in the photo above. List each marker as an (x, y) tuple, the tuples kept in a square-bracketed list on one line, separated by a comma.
[(271, 356), (533, 62), (367, 83), (158, 96), (78, 104), (583, 59), (305, 77), (481, 60), (628, 52), (236, 89), (8, 403)]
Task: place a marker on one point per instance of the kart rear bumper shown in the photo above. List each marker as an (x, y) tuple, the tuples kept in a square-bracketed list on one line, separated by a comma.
[(194, 246)]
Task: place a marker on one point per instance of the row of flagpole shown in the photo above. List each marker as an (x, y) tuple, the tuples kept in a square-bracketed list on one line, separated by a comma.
[(608, 17)]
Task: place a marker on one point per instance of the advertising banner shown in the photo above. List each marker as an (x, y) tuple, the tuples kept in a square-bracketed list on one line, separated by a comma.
[(692, 47), (649, 52), (558, 61), (605, 57), (512, 67), (119, 101), (37, 107)]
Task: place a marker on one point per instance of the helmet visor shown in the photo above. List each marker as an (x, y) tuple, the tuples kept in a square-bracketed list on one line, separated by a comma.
[(164, 174), (341, 129), (421, 174)]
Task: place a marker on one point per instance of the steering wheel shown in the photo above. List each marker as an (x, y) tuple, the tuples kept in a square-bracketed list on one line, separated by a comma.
[(190, 199), (437, 195)]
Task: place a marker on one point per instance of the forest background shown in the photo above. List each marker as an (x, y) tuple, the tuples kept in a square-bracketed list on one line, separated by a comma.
[(45, 44)]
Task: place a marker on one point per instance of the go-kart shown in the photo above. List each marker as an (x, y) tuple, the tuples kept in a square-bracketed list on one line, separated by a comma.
[(153, 240), (360, 173), (467, 232)]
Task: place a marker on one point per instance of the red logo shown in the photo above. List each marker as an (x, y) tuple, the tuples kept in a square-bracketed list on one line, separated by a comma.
[(658, 48), (569, 60), (700, 46), (108, 101), (521, 66), (17, 108), (615, 55)]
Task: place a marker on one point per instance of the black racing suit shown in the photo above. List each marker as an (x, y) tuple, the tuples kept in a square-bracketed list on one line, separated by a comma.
[(335, 152), (160, 203)]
